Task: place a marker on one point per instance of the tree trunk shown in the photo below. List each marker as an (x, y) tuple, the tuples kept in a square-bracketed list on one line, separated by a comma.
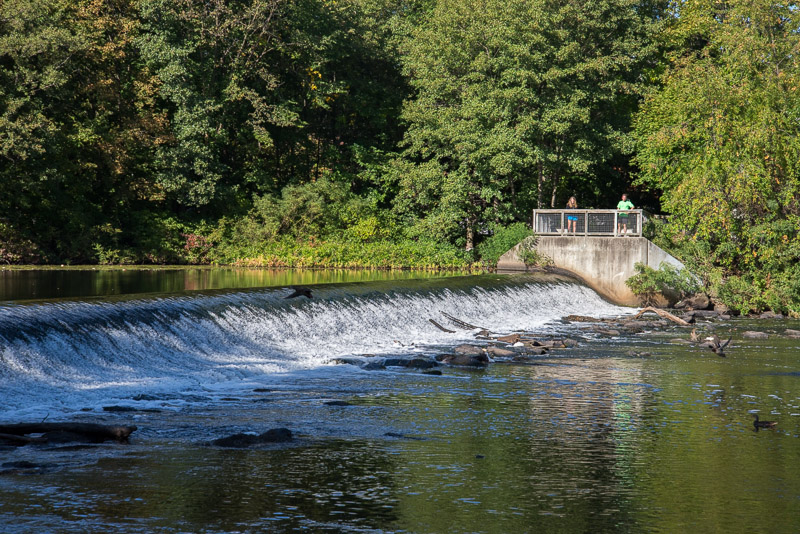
[(540, 186), (512, 194), (661, 313)]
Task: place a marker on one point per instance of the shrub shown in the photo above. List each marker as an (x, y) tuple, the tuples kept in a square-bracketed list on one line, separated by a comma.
[(649, 282), (16, 249), (532, 257), (502, 240), (337, 253)]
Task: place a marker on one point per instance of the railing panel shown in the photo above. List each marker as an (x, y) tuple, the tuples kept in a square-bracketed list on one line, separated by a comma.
[(590, 223)]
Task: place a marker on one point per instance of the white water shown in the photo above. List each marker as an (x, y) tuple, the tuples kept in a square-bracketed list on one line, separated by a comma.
[(62, 357)]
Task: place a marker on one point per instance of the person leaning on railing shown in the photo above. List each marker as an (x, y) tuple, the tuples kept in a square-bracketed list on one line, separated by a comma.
[(622, 220), (572, 220)]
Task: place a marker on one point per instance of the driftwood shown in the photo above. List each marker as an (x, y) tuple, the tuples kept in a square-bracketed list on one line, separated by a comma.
[(662, 313), (440, 327), (82, 431), (460, 323)]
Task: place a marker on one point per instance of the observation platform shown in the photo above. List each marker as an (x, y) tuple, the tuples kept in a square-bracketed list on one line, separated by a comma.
[(601, 251), (589, 223)]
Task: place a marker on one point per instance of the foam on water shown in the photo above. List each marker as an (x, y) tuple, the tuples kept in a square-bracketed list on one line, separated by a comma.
[(67, 355)]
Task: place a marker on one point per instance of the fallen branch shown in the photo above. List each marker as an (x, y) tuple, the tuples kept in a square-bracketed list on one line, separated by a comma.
[(662, 313), (459, 322), (440, 327)]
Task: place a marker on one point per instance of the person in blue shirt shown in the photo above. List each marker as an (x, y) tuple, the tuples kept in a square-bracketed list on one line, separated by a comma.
[(622, 218)]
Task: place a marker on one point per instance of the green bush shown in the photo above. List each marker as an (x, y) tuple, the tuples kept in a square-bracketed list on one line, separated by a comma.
[(648, 283), (16, 249), (502, 240), (530, 256), (756, 293), (339, 253)]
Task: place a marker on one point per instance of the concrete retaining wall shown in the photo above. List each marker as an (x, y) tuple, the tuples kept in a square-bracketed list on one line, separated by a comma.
[(603, 263)]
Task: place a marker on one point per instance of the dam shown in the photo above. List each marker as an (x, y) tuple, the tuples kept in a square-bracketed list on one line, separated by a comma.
[(599, 247)]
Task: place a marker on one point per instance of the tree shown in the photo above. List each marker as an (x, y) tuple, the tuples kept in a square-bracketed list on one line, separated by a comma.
[(218, 86), (721, 140), (72, 122), (510, 99)]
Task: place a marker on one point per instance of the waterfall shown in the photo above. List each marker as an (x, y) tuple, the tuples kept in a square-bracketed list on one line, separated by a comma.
[(74, 352)]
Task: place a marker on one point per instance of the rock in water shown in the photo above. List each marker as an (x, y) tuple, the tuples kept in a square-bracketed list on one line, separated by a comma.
[(466, 360), (468, 349), (240, 441)]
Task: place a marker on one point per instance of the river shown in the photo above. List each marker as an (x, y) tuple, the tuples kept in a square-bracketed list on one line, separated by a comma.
[(630, 433)]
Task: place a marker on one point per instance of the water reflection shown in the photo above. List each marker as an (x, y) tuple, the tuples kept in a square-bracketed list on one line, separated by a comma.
[(597, 442), (92, 282)]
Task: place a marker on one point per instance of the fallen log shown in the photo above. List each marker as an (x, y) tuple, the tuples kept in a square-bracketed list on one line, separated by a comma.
[(440, 327), (91, 432), (458, 322), (661, 313)]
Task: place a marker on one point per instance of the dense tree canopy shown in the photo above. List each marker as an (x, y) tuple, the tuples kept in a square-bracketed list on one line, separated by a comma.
[(721, 139), (512, 97), (397, 132)]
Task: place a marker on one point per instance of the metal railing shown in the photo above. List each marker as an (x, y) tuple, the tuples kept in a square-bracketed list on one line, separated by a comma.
[(589, 223)]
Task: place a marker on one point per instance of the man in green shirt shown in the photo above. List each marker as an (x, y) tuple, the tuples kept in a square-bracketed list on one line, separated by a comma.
[(622, 218)]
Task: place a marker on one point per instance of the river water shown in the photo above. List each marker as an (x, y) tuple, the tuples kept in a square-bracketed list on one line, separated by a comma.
[(629, 433)]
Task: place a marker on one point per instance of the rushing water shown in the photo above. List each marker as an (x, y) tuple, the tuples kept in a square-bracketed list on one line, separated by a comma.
[(637, 433)]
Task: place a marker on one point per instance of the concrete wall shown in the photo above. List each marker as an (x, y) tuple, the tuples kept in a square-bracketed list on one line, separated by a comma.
[(603, 263)]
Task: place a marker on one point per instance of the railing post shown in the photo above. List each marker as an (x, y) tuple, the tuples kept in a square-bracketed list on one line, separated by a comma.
[(585, 224)]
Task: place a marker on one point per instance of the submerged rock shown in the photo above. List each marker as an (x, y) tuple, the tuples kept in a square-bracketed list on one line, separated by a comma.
[(498, 352), (120, 409), (24, 467), (421, 363), (513, 338), (240, 441), (582, 319), (750, 334), (465, 360), (348, 361), (469, 349), (698, 301), (706, 314), (537, 351), (607, 332)]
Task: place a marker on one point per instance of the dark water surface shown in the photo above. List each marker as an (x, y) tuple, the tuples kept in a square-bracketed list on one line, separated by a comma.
[(637, 433), (52, 283)]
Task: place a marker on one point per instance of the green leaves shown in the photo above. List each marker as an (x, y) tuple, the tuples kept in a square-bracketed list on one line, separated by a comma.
[(720, 139), (648, 283), (512, 97)]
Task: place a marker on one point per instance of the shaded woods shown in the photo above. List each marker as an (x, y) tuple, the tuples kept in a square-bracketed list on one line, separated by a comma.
[(397, 133)]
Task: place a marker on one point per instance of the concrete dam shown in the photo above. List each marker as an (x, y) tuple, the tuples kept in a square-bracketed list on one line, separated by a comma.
[(599, 249)]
